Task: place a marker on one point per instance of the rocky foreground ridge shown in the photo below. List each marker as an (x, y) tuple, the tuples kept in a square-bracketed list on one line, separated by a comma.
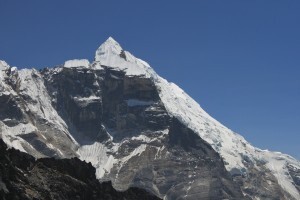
[(137, 130), (24, 177)]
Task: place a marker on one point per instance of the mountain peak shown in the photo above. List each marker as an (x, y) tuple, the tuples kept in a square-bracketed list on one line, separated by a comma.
[(109, 48), (112, 40), (111, 54)]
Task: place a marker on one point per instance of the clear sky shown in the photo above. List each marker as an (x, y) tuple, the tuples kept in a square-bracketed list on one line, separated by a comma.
[(239, 59)]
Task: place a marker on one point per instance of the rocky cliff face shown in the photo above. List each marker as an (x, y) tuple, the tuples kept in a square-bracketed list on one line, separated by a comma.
[(136, 129), (23, 177), (125, 116)]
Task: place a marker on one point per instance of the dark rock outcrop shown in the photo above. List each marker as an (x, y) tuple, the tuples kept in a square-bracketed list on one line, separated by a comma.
[(22, 177), (295, 173)]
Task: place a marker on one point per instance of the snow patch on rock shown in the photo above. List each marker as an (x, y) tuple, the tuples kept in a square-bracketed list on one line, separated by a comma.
[(96, 154), (77, 63)]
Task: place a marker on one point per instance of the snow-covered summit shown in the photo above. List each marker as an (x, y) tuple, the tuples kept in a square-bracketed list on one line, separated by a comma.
[(109, 48), (111, 54)]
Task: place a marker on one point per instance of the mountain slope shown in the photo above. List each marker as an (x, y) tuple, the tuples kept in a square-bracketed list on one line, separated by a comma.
[(136, 129)]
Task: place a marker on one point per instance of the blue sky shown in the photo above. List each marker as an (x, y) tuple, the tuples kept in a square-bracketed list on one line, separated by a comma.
[(239, 59)]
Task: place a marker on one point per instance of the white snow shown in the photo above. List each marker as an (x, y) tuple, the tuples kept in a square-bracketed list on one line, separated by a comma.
[(84, 101), (32, 85), (19, 129), (14, 69), (10, 135), (159, 152), (146, 139), (90, 98), (38, 103), (96, 65), (96, 154), (142, 138), (108, 54), (230, 145), (136, 152), (84, 63), (6, 93), (3, 66), (277, 163)]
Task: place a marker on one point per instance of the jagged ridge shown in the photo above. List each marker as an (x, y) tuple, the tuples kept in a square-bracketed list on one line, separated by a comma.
[(23, 177)]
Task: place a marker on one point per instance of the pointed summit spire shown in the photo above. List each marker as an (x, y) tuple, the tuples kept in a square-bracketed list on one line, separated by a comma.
[(109, 48), (112, 40), (112, 55)]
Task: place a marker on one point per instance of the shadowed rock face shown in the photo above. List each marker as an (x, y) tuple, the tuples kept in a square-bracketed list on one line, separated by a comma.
[(76, 95), (23, 177), (295, 173), (10, 110), (184, 167), (91, 100), (174, 162)]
